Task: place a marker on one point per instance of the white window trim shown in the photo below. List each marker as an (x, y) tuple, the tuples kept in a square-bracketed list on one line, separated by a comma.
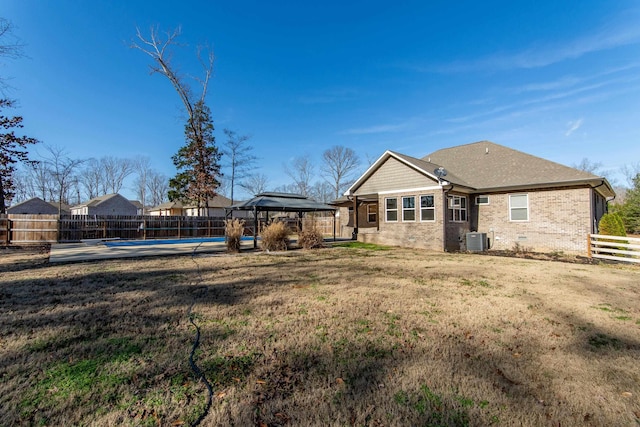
[(412, 190), (435, 216), (510, 211), (386, 209), (466, 208), (482, 204), (408, 209)]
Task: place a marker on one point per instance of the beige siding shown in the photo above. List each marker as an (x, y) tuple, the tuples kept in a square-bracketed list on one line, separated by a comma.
[(558, 220), (394, 175)]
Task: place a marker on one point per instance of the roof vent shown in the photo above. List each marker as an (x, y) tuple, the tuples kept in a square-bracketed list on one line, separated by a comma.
[(486, 150)]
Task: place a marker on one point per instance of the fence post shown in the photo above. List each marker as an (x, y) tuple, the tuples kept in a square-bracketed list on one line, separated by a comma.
[(589, 245), (179, 228)]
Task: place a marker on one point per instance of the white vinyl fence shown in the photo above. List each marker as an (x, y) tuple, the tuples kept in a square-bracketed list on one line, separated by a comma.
[(616, 248)]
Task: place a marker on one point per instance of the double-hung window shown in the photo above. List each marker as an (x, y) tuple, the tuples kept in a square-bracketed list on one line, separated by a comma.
[(518, 207), (391, 209), (457, 208), (409, 208), (427, 208)]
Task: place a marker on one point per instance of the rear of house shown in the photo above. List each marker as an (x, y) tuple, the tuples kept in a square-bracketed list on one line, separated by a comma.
[(512, 198)]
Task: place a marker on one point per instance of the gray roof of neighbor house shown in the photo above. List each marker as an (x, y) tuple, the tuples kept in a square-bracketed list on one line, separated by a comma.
[(95, 201), (486, 165), (37, 204), (282, 202)]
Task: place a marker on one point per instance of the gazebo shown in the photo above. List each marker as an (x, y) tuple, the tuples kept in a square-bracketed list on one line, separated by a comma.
[(279, 202)]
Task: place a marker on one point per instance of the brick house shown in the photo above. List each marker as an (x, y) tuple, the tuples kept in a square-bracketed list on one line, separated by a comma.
[(512, 197), (110, 204)]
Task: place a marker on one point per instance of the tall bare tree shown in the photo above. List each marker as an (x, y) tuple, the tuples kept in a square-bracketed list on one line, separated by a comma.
[(157, 188), (338, 167), (142, 165), (199, 133), (255, 183), (630, 172), (239, 158), (63, 170), (115, 170), (301, 172), (91, 179)]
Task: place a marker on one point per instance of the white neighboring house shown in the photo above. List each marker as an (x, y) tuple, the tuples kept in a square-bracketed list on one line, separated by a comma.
[(111, 204)]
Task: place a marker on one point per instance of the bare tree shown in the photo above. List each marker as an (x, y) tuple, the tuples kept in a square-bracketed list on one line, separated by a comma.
[(115, 170), (322, 191), (255, 183), (630, 172), (301, 172), (91, 179), (10, 47), (39, 181), (240, 161), (142, 165), (157, 188), (587, 165), (63, 170), (338, 167), (197, 161)]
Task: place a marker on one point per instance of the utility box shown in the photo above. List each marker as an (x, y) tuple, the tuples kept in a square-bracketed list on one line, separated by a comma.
[(477, 242)]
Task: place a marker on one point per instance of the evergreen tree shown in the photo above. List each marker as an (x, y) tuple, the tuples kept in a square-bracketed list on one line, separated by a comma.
[(197, 161), (630, 210), (13, 149)]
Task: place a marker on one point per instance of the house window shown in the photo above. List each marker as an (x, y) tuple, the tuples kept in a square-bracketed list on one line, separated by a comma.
[(409, 208), (457, 208), (519, 207), (391, 209), (372, 212), (427, 208), (482, 200)]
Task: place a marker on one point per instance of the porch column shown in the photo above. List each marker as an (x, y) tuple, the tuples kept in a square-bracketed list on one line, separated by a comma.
[(354, 236), (255, 227)]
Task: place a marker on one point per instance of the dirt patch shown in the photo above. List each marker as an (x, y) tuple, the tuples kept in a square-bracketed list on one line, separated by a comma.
[(338, 336)]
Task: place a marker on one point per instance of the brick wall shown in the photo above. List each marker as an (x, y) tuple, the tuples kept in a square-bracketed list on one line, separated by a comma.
[(558, 220)]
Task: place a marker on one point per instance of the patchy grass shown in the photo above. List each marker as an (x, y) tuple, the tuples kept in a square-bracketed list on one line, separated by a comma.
[(351, 335)]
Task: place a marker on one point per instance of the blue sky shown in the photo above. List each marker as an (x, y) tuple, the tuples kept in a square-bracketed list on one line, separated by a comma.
[(560, 80)]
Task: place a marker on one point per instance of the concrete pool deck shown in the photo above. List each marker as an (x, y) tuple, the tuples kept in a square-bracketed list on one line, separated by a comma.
[(89, 251)]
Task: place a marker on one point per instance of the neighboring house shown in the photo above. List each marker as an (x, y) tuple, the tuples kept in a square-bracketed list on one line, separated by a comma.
[(216, 208), (139, 206), (111, 204), (37, 206), (517, 199), (167, 209)]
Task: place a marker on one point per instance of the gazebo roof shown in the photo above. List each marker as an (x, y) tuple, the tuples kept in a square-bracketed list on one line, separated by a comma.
[(282, 202)]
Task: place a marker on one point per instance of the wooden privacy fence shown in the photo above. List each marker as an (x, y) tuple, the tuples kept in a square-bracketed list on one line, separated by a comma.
[(33, 229), (616, 248)]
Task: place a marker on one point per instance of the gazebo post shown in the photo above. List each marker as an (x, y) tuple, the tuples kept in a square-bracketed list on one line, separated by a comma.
[(255, 227)]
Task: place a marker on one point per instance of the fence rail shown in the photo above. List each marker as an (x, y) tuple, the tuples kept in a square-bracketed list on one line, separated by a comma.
[(34, 229), (615, 248)]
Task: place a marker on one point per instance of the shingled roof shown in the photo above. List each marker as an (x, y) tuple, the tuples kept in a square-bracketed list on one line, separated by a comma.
[(487, 166)]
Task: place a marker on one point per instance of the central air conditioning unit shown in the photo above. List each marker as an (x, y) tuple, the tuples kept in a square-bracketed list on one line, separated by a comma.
[(477, 242)]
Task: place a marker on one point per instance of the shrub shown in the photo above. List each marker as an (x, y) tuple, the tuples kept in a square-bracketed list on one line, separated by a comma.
[(233, 229), (611, 225), (274, 237), (311, 238)]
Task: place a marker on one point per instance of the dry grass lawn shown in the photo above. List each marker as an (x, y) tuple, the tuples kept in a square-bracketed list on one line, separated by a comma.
[(339, 336)]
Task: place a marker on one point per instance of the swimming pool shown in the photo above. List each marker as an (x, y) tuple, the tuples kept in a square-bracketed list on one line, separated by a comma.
[(168, 241)]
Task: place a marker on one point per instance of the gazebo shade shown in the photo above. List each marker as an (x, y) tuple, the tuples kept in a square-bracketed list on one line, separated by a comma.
[(279, 202), (282, 202)]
